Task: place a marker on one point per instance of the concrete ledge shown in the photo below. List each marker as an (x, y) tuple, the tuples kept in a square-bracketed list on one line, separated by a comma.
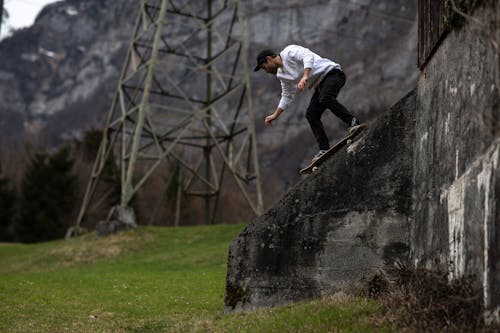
[(347, 220)]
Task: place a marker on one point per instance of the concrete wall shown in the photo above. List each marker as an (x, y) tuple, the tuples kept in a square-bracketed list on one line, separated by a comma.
[(456, 174), (422, 184), (338, 225)]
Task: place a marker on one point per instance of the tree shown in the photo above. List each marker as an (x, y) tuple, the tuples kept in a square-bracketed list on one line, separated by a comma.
[(7, 209), (48, 195)]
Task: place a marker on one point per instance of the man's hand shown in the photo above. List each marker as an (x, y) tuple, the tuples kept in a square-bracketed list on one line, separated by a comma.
[(302, 83), (270, 119)]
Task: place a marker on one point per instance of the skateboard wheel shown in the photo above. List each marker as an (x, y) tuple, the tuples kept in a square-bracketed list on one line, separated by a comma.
[(349, 142), (315, 168)]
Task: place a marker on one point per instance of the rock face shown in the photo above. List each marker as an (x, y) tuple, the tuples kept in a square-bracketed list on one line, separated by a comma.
[(350, 218), (58, 77)]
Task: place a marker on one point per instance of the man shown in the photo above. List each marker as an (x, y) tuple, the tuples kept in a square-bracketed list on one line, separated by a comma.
[(297, 68)]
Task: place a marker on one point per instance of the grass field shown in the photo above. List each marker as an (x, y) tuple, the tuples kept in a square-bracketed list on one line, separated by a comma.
[(150, 280)]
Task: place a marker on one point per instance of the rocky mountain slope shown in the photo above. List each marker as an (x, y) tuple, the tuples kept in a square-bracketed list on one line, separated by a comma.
[(58, 77)]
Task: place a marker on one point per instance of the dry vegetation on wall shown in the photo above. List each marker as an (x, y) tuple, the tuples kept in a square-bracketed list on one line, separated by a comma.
[(422, 300)]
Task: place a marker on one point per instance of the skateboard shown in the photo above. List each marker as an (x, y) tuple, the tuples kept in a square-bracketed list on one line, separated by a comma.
[(345, 141)]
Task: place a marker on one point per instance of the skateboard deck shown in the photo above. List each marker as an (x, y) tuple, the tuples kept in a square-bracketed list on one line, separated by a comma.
[(353, 134)]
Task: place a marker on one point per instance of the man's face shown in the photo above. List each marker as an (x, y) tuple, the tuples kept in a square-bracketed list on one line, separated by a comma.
[(269, 66)]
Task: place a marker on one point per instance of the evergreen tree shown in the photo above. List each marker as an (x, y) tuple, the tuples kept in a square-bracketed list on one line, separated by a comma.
[(47, 196), (7, 209)]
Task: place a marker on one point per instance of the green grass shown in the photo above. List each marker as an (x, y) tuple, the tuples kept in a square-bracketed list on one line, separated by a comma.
[(149, 280)]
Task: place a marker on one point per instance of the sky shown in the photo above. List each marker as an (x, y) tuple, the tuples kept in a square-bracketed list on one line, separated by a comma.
[(22, 13)]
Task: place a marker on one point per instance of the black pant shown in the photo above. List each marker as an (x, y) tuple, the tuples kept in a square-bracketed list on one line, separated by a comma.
[(325, 97)]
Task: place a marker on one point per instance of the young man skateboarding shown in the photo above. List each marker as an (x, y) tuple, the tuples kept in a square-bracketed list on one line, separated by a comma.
[(297, 68)]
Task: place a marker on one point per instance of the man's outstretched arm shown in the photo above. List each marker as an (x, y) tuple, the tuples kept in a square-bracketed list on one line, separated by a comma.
[(287, 96)]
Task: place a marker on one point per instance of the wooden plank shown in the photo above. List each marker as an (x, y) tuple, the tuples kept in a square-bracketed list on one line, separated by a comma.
[(430, 28)]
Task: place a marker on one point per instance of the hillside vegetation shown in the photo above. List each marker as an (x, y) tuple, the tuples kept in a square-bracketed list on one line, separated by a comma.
[(149, 280)]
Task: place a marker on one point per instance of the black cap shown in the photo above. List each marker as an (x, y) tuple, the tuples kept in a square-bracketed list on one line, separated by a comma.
[(261, 58)]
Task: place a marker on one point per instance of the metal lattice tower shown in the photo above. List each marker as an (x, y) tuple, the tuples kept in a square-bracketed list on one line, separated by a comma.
[(183, 105)]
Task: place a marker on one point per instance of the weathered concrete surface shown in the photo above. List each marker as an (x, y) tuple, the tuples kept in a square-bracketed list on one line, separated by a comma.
[(336, 226), (457, 224)]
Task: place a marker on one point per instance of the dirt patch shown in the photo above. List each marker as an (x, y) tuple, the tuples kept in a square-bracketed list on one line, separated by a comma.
[(89, 249)]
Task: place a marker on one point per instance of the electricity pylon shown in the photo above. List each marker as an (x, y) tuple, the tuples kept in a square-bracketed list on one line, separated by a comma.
[(183, 99)]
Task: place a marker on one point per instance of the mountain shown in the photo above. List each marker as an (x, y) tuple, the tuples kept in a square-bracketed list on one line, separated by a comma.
[(57, 77)]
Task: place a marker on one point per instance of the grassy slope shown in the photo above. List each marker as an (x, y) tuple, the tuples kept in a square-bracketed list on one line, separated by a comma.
[(148, 280)]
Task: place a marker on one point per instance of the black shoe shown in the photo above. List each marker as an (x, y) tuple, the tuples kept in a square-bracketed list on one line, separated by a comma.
[(318, 155)]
